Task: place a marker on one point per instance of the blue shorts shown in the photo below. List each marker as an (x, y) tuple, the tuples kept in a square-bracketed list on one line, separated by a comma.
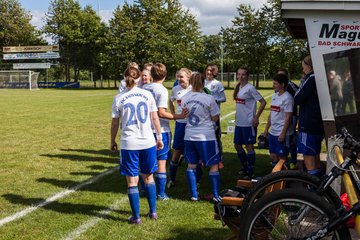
[(280, 149), (179, 135), (131, 161), (206, 152), (245, 135), (163, 154), (309, 144)]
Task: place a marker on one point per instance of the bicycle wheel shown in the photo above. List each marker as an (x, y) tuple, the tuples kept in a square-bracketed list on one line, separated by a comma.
[(290, 179), (289, 214)]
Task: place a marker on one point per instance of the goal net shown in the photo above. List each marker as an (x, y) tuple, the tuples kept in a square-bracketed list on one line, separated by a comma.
[(19, 79)]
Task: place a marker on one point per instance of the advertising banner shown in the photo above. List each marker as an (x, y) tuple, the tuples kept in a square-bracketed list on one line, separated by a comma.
[(31, 65), (330, 34), (19, 49), (18, 56)]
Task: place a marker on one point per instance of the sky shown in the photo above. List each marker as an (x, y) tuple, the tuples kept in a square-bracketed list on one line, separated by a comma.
[(211, 14)]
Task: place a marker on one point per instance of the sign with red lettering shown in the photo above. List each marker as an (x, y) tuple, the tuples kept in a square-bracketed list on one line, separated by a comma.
[(333, 33)]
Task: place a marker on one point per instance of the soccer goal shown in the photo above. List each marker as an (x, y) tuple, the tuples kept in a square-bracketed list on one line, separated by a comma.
[(19, 79)]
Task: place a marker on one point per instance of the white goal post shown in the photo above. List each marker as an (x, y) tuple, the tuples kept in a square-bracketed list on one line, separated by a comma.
[(19, 79)]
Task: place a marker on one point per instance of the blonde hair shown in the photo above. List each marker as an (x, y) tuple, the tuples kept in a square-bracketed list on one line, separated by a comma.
[(186, 71), (131, 74), (147, 71)]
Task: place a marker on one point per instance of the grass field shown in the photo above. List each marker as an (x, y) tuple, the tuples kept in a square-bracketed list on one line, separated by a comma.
[(58, 180)]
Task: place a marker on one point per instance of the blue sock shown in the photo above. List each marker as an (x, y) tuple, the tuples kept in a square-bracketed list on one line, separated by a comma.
[(244, 163), (161, 183), (134, 199), (191, 178), (251, 162), (215, 183), (318, 172), (150, 190), (173, 170), (199, 172)]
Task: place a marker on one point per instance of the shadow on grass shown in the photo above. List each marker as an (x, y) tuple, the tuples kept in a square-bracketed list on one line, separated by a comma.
[(197, 233), (105, 152), (82, 158), (112, 183), (68, 208)]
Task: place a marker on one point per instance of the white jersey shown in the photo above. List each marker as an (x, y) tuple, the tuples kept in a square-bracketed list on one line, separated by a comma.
[(217, 90), (161, 96), (202, 107), (134, 107), (176, 95), (246, 105), (279, 106)]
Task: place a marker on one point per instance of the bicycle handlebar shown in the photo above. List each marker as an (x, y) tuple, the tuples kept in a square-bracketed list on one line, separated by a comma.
[(349, 141)]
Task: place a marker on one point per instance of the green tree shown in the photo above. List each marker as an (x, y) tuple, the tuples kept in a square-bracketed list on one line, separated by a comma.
[(154, 31), (248, 39), (285, 51), (15, 27)]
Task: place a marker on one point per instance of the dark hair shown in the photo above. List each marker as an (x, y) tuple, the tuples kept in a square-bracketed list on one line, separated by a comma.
[(197, 81), (281, 78), (158, 71), (214, 70), (284, 70), (307, 60), (131, 74), (237, 87)]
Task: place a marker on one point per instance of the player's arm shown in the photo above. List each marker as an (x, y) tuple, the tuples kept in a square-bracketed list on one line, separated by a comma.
[(171, 106), (113, 132), (259, 112), (268, 124), (221, 96), (156, 123), (164, 114), (288, 116)]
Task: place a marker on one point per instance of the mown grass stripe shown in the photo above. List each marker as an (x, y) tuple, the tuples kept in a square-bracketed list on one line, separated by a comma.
[(55, 197)]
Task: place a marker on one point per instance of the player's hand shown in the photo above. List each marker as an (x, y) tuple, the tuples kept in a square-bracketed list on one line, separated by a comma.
[(281, 138), (159, 145), (184, 113), (113, 147)]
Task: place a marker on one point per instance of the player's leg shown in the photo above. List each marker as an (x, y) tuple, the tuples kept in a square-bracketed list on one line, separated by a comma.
[(250, 139), (129, 167), (148, 166), (238, 142), (160, 176), (210, 154), (178, 148), (192, 157)]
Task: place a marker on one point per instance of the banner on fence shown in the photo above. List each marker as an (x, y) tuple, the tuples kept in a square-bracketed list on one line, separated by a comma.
[(17, 49), (17, 56)]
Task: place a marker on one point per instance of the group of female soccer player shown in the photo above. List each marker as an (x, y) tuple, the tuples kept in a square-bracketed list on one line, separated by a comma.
[(145, 144)]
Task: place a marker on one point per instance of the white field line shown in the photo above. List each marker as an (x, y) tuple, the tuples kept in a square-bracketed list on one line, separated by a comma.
[(95, 220), (55, 197), (233, 112)]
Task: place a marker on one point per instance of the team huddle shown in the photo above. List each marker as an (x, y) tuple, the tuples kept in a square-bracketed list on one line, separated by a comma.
[(141, 108)]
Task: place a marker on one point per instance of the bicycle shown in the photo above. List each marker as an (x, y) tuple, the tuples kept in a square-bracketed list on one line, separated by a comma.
[(290, 214)]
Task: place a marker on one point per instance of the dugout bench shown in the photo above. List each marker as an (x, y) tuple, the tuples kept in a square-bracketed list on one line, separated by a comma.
[(233, 223)]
